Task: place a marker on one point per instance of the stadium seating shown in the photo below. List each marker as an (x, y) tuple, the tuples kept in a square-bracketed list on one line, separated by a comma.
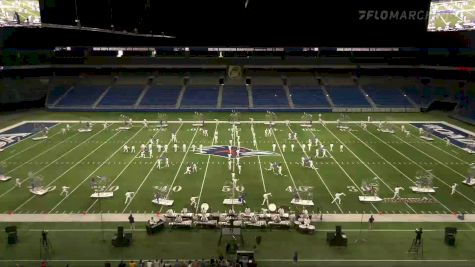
[(387, 97), (55, 93), (161, 96), (235, 96), (347, 96), (414, 93), (308, 96), (122, 95), (269, 96), (200, 96), (424, 95), (82, 96)]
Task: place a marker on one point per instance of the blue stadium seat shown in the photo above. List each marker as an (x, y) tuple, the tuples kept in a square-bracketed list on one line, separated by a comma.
[(202, 96), (56, 92), (161, 96), (82, 96), (235, 96), (425, 95), (122, 95), (387, 97), (414, 93), (308, 96), (269, 96), (347, 96)]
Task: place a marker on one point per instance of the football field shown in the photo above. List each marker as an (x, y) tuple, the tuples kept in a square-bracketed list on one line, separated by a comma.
[(368, 157), (451, 15)]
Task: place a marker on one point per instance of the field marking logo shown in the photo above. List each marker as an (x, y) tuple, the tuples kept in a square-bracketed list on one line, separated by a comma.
[(458, 138), (10, 139), (224, 151)]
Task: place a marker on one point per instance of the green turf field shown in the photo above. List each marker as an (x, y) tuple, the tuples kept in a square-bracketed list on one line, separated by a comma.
[(451, 15), (25, 8), (74, 158), (80, 244)]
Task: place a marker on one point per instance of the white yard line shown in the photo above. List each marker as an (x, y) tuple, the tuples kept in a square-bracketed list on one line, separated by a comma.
[(12, 126), (123, 170), (49, 164), (153, 166), (438, 148), (100, 166), (22, 140), (327, 217), (70, 168), (204, 176), (320, 229), (43, 152), (170, 261), (347, 174), (61, 175), (318, 174), (389, 163), (30, 147), (151, 122), (420, 166), (179, 168), (259, 160), (453, 126), (285, 161), (436, 160), (364, 163)]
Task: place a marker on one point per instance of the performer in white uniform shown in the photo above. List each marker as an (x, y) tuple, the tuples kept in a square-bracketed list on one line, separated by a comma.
[(128, 196), (65, 190), (193, 202), (454, 188), (396, 192), (338, 198), (266, 198)]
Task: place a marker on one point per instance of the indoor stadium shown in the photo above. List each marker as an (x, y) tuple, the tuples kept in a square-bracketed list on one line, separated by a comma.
[(237, 133)]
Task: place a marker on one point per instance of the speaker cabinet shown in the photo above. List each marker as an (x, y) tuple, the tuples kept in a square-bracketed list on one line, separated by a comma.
[(449, 237)]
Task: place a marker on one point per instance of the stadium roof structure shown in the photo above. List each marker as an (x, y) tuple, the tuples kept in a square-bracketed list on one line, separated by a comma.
[(296, 23)]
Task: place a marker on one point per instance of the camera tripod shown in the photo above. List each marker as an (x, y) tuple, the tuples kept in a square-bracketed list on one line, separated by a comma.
[(417, 247), (45, 247)]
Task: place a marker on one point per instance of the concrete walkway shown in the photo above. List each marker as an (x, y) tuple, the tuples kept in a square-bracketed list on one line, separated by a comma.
[(116, 217)]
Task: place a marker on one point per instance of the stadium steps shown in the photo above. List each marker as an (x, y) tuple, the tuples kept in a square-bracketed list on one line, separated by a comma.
[(410, 100), (220, 97), (61, 97), (99, 99), (289, 97), (249, 95), (180, 96), (366, 95), (144, 91), (50, 87), (327, 95)]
